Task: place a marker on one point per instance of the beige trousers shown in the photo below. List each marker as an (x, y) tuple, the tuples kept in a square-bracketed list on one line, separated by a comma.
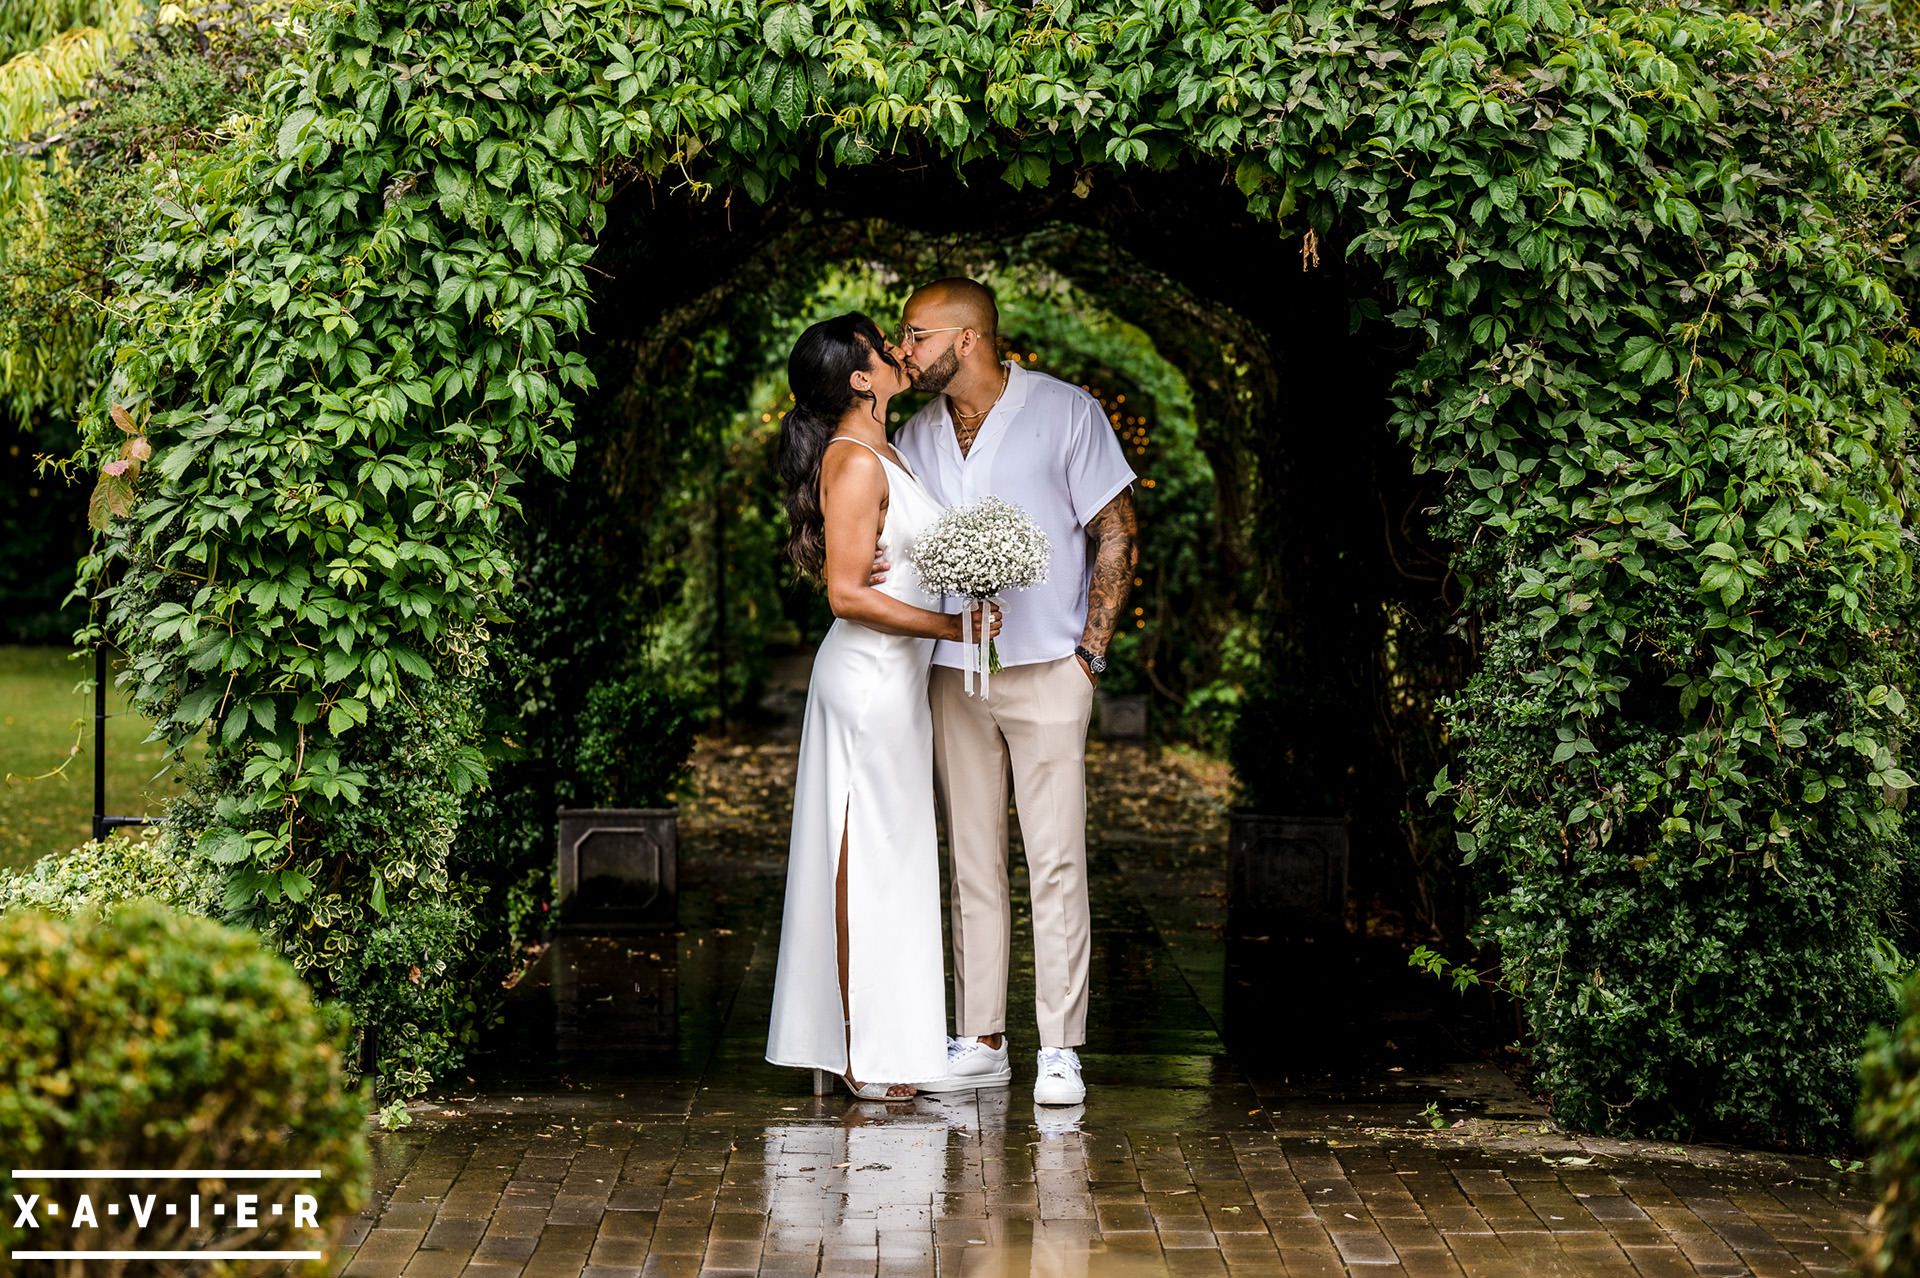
[(1034, 726)]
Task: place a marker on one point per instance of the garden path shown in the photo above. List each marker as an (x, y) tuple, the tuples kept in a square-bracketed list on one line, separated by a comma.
[(1255, 1109)]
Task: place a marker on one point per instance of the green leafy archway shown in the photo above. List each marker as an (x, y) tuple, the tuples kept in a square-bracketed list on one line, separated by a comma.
[(1652, 369)]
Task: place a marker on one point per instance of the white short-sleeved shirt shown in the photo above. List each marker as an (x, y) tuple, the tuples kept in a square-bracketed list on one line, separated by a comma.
[(1047, 448)]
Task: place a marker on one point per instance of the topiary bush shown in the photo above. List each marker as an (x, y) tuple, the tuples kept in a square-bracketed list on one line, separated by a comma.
[(635, 739), (151, 1039), (1666, 1003), (1889, 1125)]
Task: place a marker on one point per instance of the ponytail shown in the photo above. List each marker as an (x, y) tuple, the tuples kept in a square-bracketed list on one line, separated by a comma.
[(803, 442)]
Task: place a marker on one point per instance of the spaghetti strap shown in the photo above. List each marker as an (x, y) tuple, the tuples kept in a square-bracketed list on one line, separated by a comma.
[(848, 439)]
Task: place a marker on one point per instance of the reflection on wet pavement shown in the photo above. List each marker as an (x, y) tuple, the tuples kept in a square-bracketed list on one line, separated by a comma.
[(1256, 1106)]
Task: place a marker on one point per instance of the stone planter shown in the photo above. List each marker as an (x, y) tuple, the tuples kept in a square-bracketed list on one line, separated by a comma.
[(618, 868), (1120, 716), (1287, 873)]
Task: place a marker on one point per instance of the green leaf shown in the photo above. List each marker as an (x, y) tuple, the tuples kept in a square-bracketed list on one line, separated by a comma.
[(243, 886), (224, 845), (197, 706), (337, 665), (1637, 352), (787, 28), (296, 885), (291, 129), (790, 95), (453, 186)]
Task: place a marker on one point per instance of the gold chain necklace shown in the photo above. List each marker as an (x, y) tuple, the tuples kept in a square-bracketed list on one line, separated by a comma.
[(960, 418)]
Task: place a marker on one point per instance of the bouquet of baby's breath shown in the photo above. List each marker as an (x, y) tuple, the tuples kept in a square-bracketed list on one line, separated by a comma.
[(978, 551)]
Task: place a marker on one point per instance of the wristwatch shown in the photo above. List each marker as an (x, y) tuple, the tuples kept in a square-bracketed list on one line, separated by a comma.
[(1095, 661)]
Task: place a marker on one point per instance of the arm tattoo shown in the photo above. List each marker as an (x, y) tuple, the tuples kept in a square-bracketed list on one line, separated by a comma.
[(1116, 551)]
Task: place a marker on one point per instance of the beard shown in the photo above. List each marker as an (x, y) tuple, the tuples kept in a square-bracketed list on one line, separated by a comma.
[(933, 379)]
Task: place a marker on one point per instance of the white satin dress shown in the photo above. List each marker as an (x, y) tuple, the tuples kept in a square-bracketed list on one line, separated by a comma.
[(866, 767)]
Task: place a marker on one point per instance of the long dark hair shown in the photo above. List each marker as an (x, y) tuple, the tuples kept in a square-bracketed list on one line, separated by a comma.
[(818, 372)]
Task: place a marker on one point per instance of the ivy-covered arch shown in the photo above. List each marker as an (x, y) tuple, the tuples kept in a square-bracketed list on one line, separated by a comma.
[(1651, 364)]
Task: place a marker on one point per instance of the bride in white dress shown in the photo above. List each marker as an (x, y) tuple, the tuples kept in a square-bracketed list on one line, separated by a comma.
[(860, 989)]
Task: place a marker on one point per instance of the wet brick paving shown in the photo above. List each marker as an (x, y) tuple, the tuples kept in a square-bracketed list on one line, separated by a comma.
[(1253, 1108)]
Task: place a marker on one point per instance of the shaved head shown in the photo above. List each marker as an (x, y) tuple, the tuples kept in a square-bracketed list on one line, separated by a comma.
[(960, 351), (959, 301)]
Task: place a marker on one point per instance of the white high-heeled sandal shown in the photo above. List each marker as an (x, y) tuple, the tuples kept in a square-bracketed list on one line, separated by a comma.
[(823, 1081)]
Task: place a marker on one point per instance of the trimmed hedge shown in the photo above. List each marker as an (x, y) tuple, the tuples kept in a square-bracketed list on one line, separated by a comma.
[(635, 736), (102, 873), (154, 1039)]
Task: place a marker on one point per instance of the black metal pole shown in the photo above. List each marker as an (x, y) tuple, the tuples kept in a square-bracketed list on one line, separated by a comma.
[(100, 740), (102, 823)]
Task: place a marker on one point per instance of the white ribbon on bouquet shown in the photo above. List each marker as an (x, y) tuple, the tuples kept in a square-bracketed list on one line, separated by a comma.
[(975, 658)]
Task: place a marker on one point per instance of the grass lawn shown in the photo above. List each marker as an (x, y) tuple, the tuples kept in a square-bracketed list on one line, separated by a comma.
[(41, 720)]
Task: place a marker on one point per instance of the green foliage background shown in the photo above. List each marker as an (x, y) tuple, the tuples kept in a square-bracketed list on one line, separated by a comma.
[(1645, 262), (34, 24), (87, 118), (1889, 1123)]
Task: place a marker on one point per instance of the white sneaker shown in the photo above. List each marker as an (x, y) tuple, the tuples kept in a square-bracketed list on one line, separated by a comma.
[(972, 1064), (1058, 1082)]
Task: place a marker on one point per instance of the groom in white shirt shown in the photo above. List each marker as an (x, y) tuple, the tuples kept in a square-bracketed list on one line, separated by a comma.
[(996, 429)]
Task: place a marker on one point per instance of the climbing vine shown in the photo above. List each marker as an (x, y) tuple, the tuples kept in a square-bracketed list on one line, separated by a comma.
[(1652, 368)]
